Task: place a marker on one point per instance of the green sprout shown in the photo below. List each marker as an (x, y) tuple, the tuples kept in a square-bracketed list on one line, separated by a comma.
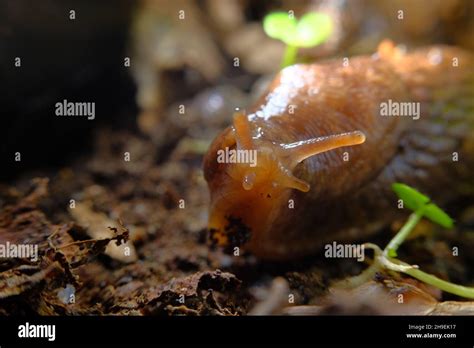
[(311, 30), (422, 208)]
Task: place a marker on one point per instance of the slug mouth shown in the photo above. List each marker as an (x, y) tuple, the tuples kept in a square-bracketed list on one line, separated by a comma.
[(233, 234)]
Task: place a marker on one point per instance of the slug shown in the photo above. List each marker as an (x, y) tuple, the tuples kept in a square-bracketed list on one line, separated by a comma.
[(329, 142)]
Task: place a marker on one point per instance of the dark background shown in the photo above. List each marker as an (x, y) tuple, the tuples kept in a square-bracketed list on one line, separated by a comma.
[(77, 60)]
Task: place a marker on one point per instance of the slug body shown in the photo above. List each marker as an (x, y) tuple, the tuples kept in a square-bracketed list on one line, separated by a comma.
[(326, 154)]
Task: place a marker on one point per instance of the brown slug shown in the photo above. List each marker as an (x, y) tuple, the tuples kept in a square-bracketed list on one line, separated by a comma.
[(326, 153)]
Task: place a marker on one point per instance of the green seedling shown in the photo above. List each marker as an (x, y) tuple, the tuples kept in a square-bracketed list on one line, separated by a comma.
[(311, 30), (422, 208)]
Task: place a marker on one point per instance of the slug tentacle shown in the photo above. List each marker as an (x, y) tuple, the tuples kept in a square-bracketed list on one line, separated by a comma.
[(279, 162), (242, 131), (301, 150), (292, 182)]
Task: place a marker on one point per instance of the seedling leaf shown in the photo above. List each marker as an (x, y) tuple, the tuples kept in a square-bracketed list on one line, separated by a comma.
[(313, 29), (437, 215), (280, 26), (420, 203), (411, 198)]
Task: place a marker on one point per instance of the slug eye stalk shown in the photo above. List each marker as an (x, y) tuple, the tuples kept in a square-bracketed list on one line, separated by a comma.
[(278, 163), (301, 150)]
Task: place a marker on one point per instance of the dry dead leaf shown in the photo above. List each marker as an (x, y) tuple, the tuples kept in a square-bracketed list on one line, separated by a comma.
[(99, 226)]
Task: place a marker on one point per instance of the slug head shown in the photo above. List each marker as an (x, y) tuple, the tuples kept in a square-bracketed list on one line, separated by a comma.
[(250, 178)]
